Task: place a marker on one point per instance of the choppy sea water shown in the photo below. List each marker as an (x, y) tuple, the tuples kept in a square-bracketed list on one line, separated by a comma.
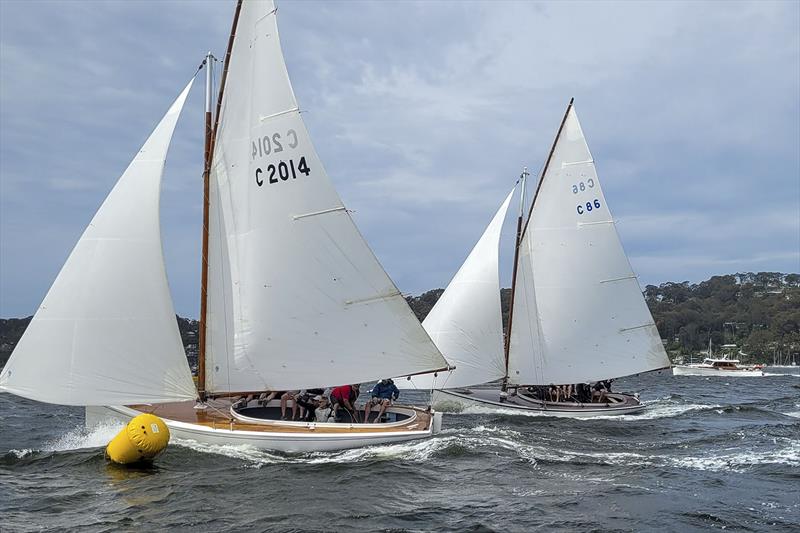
[(709, 453)]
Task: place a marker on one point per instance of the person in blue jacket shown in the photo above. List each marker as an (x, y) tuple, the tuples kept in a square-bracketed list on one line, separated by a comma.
[(383, 394)]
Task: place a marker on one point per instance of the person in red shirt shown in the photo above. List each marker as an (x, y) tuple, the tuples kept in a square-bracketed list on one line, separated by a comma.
[(345, 396)]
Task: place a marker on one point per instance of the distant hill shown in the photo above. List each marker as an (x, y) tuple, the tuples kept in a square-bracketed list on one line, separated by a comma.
[(760, 312)]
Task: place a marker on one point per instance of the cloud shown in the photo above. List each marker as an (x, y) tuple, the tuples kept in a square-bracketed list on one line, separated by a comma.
[(424, 114)]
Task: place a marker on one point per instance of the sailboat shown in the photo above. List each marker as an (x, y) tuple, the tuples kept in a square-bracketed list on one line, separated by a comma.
[(576, 316), (292, 297)]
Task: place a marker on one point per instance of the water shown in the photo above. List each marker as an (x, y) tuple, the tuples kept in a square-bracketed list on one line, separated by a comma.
[(707, 454)]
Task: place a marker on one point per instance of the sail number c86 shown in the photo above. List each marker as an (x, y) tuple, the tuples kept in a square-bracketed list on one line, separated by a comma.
[(588, 206), (282, 171)]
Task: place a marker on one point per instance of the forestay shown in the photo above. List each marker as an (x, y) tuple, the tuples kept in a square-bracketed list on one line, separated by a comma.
[(466, 322), (106, 332), (296, 297), (579, 314)]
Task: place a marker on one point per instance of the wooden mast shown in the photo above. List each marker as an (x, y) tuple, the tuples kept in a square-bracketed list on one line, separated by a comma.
[(521, 231), (210, 139)]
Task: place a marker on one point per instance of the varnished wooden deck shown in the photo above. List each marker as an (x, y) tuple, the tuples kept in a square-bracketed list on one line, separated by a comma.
[(217, 416)]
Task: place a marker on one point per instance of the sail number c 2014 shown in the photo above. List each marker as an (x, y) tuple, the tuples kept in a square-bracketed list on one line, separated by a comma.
[(284, 170), (276, 143)]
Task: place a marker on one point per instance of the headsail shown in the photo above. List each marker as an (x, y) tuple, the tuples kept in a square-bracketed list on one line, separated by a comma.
[(579, 314), (466, 323), (296, 297), (106, 332)]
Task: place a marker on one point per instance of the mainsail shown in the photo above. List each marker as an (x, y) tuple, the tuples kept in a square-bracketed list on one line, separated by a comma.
[(579, 314), (296, 298), (466, 323), (106, 332)]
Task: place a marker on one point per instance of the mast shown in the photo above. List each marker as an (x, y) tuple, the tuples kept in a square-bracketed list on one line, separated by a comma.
[(201, 355), (210, 137), (522, 178), (521, 231)]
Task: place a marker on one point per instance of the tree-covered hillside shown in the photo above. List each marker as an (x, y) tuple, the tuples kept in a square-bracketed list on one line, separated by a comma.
[(758, 312)]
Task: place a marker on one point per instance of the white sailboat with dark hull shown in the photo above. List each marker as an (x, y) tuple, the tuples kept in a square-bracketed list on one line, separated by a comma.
[(577, 314), (292, 296)]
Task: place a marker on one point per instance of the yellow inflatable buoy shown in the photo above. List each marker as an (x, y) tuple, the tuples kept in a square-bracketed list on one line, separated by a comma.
[(142, 439)]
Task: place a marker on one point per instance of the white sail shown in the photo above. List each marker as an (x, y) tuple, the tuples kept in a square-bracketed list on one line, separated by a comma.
[(106, 332), (579, 314), (466, 322), (296, 297)]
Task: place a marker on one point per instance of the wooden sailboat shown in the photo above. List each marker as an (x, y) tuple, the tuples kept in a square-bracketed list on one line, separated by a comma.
[(292, 296), (577, 314)]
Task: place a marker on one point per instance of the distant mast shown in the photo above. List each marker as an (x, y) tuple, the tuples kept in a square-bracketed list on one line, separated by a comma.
[(522, 179), (521, 231)]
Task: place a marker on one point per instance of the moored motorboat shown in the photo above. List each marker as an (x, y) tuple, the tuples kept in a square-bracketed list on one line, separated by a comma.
[(723, 367)]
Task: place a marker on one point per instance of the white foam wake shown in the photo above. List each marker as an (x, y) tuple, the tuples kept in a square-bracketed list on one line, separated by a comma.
[(726, 459), (655, 409), (415, 451), (78, 438)]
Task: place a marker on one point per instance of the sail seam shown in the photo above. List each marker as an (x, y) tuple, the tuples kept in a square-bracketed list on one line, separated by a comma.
[(315, 213)]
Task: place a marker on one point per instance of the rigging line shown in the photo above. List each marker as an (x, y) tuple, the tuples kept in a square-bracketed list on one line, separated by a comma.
[(222, 413), (651, 324)]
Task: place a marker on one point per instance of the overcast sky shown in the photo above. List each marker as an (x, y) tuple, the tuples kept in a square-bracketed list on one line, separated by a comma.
[(424, 114)]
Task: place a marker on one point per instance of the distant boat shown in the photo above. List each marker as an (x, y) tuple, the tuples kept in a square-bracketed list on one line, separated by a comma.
[(292, 295), (718, 366), (577, 314)]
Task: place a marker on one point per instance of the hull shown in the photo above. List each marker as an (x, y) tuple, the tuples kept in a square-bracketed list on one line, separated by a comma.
[(451, 400), (214, 426), (701, 371)]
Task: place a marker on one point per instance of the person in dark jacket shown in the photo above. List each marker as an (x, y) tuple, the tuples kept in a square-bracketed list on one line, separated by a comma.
[(383, 394), (310, 400)]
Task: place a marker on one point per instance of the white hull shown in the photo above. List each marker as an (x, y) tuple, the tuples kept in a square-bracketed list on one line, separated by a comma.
[(452, 401), (272, 439), (681, 370)]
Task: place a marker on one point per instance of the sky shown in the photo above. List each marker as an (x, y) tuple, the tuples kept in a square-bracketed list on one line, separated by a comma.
[(424, 114)]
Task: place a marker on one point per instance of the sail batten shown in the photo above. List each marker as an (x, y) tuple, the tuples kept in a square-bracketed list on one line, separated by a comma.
[(295, 299), (106, 332), (579, 313)]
